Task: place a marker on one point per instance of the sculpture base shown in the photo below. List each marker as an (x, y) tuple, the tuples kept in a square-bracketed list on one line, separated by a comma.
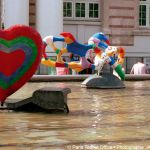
[(104, 81)]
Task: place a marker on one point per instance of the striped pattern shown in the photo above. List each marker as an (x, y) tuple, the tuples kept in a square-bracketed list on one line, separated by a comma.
[(30, 50), (28, 43)]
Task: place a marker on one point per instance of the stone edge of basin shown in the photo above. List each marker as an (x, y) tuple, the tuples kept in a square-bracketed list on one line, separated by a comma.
[(53, 78)]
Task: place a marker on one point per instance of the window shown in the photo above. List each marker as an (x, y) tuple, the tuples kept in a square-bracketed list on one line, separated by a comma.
[(67, 9), (142, 20), (93, 10), (144, 13), (81, 9)]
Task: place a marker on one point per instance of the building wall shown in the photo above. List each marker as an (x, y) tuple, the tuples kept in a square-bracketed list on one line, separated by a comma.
[(120, 20), (82, 31)]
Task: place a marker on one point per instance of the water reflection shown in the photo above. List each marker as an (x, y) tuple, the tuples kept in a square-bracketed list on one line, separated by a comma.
[(97, 117)]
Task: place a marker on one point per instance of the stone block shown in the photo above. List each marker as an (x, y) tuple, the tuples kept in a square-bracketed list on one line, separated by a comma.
[(49, 98)]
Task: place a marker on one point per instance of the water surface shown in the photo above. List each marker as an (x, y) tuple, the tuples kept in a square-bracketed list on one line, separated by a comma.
[(98, 119)]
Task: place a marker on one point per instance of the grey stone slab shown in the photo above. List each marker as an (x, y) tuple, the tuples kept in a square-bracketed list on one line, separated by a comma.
[(48, 98)]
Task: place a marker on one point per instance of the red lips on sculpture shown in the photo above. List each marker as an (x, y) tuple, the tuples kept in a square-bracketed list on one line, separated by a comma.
[(20, 55)]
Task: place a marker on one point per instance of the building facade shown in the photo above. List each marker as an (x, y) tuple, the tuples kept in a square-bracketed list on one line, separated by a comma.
[(125, 22)]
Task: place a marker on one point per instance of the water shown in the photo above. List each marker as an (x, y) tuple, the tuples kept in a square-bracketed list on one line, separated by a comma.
[(98, 119)]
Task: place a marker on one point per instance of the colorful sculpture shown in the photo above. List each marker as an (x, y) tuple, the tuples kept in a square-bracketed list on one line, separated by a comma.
[(20, 55), (98, 42), (108, 57), (107, 54)]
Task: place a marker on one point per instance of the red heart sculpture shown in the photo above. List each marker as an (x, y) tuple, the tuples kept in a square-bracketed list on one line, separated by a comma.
[(20, 55)]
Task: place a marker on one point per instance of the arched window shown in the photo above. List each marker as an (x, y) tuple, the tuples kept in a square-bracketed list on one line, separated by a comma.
[(144, 13)]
